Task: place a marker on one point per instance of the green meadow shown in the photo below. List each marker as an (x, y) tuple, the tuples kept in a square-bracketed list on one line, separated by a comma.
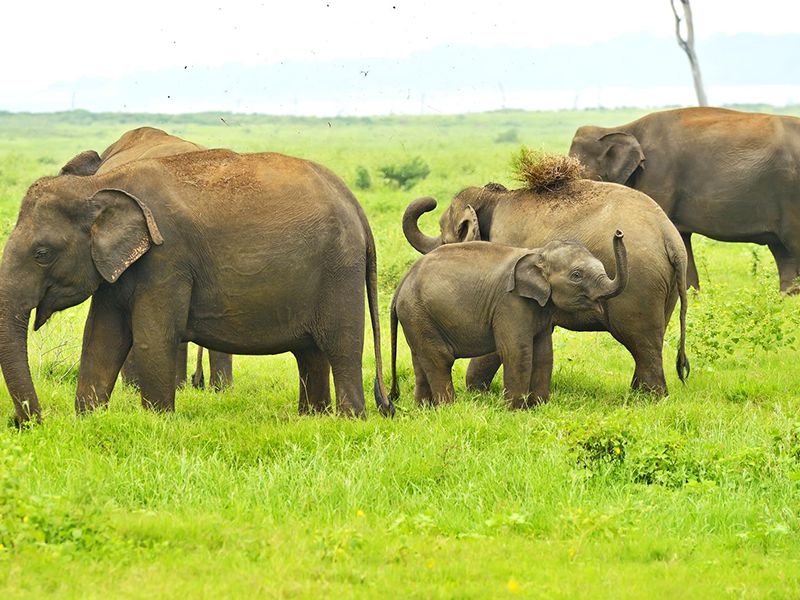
[(599, 493)]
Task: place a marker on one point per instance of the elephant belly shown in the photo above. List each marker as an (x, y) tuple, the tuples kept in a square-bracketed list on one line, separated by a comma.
[(730, 219), (274, 317)]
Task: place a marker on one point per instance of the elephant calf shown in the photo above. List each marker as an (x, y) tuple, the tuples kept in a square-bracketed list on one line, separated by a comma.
[(470, 299)]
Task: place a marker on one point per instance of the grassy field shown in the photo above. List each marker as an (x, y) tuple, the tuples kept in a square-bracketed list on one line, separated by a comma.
[(600, 493)]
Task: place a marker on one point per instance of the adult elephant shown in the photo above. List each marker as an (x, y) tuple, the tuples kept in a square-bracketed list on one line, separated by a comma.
[(729, 175), (136, 144), (588, 212), (247, 253)]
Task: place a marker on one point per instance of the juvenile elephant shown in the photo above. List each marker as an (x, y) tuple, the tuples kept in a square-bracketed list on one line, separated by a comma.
[(247, 253), (444, 317), (729, 175), (589, 212), (136, 144)]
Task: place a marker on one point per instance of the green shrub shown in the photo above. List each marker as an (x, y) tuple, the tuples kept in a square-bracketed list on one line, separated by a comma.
[(509, 136), (598, 442), (723, 321), (406, 175), (363, 180)]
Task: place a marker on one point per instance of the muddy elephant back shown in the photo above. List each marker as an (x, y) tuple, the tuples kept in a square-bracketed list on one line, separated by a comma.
[(590, 212)]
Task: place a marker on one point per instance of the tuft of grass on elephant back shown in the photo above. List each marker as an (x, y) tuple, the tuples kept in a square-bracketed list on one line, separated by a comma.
[(542, 171)]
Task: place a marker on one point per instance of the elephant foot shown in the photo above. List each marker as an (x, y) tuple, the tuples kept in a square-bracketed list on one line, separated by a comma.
[(526, 403), (792, 290), (198, 380)]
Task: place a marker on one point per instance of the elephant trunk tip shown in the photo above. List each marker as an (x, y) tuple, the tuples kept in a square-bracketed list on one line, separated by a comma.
[(618, 234)]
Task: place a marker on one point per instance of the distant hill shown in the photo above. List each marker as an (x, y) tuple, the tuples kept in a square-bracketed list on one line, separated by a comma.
[(454, 79)]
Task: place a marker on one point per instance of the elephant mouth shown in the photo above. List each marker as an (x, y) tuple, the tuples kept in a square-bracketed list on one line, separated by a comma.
[(43, 313)]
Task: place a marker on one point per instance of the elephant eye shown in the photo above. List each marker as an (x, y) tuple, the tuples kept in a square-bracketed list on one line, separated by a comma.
[(42, 255), (576, 276)]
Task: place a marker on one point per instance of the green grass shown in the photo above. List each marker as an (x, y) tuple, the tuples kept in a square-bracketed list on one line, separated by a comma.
[(599, 493)]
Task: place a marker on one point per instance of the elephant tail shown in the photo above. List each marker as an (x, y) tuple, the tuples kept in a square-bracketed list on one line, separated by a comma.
[(394, 393), (383, 402), (681, 362)]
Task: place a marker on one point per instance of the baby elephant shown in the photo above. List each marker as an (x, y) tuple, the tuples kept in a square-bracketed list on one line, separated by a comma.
[(470, 299)]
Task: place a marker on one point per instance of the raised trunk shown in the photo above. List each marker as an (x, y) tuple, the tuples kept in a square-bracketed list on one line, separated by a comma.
[(421, 242), (617, 285), (14, 363)]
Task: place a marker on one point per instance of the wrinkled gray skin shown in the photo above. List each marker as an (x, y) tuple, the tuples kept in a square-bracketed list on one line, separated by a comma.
[(588, 212), (728, 175), (471, 299), (136, 144), (246, 253)]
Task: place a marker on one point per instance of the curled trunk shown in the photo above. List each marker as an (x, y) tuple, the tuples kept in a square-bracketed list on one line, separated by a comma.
[(617, 285), (14, 363), (421, 242)]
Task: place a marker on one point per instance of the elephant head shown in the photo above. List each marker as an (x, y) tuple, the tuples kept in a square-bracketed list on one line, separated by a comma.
[(462, 221), (570, 275), (71, 235), (606, 155), (83, 164)]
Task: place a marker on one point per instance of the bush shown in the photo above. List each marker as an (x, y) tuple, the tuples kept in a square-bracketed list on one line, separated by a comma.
[(363, 180), (509, 136), (599, 442), (408, 174), (725, 321)]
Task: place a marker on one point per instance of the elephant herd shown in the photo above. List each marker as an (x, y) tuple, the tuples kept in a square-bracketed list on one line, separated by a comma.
[(265, 253)]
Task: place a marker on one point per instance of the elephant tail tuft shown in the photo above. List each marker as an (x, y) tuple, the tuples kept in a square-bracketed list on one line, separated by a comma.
[(383, 402), (681, 361), (394, 393)]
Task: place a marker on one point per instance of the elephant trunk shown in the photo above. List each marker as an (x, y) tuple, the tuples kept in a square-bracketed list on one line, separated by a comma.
[(14, 361), (617, 285), (421, 242)]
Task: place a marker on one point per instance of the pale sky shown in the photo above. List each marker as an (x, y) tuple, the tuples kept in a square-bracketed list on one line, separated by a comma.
[(42, 43)]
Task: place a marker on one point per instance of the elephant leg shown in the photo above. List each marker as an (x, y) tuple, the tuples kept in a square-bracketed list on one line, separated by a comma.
[(692, 278), (438, 373), (788, 268), (220, 368), (198, 377), (481, 371), (542, 372), (156, 339), (339, 334), (647, 351), (515, 347), (181, 364), (129, 373), (315, 386), (422, 389), (106, 343)]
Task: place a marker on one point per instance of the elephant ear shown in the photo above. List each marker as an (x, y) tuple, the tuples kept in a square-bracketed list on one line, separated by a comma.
[(84, 164), (622, 156), (527, 278), (468, 228), (123, 230)]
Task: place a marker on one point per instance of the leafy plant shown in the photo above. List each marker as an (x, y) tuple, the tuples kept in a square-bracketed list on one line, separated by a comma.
[(406, 175), (509, 136), (598, 442), (363, 180), (745, 319)]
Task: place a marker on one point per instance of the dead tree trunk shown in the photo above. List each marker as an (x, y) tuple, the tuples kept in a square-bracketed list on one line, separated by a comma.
[(687, 43)]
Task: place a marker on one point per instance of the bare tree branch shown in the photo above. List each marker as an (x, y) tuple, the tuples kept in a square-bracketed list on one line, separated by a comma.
[(687, 44)]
